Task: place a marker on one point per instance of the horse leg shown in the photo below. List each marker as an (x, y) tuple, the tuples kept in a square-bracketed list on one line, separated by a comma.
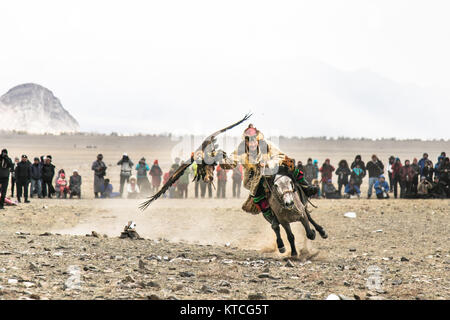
[(291, 238), (310, 233), (319, 228), (276, 228)]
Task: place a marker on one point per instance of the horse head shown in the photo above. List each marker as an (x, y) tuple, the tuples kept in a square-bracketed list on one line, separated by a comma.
[(285, 189)]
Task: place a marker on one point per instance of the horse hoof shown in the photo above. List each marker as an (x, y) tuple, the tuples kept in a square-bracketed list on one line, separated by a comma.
[(282, 249), (312, 235), (294, 254), (324, 235)]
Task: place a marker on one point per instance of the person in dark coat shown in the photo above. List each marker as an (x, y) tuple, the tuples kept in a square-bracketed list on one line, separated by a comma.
[(6, 166), (422, 162), (415, 166), (375, 168), (406, 177), (237, 176), (126, 166), (99, 168), (343, 172), (428, 171), (36, 178), (13, 176), (360, 162), (48, 172), (75, 185), (310, 171), (396, 167), (444, 171), (23, 177)]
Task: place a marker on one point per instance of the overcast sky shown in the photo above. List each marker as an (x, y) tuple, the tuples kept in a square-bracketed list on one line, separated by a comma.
[(304, 68)]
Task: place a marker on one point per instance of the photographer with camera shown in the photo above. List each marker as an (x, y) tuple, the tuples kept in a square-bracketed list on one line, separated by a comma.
[(6, 166)]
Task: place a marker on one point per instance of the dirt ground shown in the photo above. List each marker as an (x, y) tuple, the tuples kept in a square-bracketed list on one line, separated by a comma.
[(209, 248)]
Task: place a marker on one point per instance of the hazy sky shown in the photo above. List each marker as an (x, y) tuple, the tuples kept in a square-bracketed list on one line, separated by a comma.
[(304, 68)]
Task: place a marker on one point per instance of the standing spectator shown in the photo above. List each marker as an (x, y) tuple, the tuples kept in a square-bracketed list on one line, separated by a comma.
[(352, 189), (396, 168), (389, 170), (316, 172), (156, 174), (142, 169), (176, 164), (23, 177), (423, 161), (221, 182), (36, 178), (75, 185), (375, 168), (438, 165), (343, 172), (237, 181), (415, 166), (203, 186), (166, 178), (327, 173), (310, 171), (444, 171), (183, 183), (428, 170), (48, 172), (126, 166), (99, 168), (300, 166), (63, 186), (381, 188), (13, 176), (361, 164), (6, 166), (357, 175), (406, 177)]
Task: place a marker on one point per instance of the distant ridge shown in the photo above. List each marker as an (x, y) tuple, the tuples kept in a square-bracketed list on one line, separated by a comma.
[(34, 109)]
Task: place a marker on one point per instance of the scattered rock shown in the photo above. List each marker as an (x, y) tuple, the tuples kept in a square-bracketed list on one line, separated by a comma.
[(224, 290), (404, 259), (351, 215), (257, 296), (289, 264), (153, 284), (142, 264), (128, 279), (352, 249), (45, 234), (95, 234), (333, 297), (186, 274), (153, 297), (207, 289)]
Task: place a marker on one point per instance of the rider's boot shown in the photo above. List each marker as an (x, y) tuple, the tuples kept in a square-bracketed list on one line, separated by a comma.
[(263, 205)]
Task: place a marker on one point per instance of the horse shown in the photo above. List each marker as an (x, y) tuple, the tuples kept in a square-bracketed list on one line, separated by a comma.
[(288, 203)]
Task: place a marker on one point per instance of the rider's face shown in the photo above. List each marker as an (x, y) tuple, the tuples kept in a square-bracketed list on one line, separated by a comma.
[(252, 144)]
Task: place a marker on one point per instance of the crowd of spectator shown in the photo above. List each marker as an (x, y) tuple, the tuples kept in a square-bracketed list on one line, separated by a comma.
[(419, 179)]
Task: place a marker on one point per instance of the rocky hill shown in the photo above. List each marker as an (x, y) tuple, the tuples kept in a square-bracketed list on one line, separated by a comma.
[(32, 108)]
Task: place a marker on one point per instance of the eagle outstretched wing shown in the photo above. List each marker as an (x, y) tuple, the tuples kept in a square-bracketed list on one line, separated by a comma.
[(208, 143)]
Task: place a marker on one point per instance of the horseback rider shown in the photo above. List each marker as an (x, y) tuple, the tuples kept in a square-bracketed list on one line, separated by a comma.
[(260, 158)]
